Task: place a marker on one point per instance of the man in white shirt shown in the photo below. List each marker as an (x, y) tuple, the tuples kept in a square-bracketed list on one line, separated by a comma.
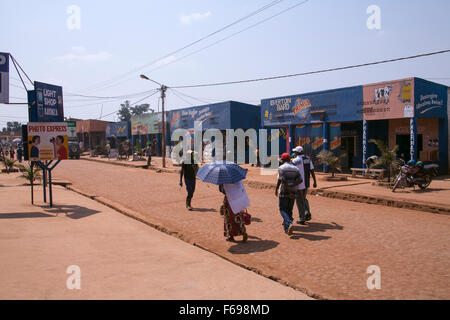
[(306, 167)]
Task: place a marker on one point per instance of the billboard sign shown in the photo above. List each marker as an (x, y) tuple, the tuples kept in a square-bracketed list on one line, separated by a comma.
[(117, 129), (4, 77), (46, 103), (336, 105), (389, 100), (144, 124), (47, 141), (72, 130)]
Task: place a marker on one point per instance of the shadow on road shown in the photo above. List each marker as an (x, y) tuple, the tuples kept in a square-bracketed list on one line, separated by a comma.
[(253, 246), (73, 211), (204, 210), (318, 227), (23, 215), (309, 237)]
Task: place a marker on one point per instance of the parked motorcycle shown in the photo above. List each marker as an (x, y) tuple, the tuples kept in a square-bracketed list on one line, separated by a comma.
[(412, 174)]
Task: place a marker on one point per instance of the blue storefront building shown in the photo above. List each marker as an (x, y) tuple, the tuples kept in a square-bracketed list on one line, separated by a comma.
[(409, 113), (221, 116)]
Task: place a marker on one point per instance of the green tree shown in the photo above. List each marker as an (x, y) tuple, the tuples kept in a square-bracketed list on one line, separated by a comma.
[(124, 113), (388, 158), (29, 174), (126, 110), (329, 159)]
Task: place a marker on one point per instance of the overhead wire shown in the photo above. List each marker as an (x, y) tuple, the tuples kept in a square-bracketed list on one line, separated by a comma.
[(108, 83), (312, 72)]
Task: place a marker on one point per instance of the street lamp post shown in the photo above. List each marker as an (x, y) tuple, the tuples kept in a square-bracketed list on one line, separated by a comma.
[(163, 89)]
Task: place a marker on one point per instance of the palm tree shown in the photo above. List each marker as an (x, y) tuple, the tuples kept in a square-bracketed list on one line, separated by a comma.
[(9, 164), (31, 174), (388, 158), (333, 162), (28, 173)]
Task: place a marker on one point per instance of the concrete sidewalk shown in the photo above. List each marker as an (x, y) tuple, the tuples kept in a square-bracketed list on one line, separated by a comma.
[(119, 258)]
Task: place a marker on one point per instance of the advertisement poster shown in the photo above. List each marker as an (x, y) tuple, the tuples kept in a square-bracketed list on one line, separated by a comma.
[(4, 77), (46, 103), (303, 137), (335, 138), (389, 100), (47, 141), (144, 124), (336, 104), (72, 130), (118, 130)]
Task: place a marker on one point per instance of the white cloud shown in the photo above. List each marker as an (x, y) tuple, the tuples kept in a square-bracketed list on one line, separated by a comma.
[(165, 61), (189, 18), (80, 54)]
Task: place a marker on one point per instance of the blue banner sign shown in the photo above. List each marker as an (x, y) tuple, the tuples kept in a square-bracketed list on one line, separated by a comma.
[(46, 103)]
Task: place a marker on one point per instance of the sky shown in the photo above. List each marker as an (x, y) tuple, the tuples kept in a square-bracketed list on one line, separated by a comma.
[(99, 48)]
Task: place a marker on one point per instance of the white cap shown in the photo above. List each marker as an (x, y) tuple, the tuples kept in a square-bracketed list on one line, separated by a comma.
[(298, 149)]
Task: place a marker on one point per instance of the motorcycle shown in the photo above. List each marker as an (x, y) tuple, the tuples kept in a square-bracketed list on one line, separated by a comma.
[(415, 175)]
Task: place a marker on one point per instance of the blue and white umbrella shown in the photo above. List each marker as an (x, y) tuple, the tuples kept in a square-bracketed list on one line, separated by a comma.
[(221, 172)]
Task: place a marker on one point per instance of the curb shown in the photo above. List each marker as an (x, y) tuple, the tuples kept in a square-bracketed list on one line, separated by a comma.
[(386, 201), (139, 217)]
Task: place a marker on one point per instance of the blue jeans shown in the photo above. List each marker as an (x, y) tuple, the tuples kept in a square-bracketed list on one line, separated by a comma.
[(286, 206), (190, 186)]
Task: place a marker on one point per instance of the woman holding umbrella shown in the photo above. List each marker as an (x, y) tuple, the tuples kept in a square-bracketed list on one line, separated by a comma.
[(229, 177)]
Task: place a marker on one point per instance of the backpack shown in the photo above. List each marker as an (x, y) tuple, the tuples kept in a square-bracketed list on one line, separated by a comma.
[(291, 180)]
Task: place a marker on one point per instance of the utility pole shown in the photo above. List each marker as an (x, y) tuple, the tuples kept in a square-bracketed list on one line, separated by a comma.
[(163, 89), (163, 140)]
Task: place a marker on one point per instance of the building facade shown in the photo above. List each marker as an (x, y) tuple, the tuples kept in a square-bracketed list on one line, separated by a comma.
[(91, 133), (219, 116), (410, 113)]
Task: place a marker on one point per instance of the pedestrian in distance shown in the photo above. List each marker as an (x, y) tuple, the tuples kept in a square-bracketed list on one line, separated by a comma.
[(306, 167), (189, 169), (289, 177), (148, 153), (20, 153)]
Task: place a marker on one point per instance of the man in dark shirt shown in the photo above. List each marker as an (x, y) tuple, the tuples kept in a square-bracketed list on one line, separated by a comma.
[(288, 178), (189, 171)]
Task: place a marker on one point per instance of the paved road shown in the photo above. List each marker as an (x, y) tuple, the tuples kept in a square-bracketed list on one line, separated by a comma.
[(119, 257), (329, 257)]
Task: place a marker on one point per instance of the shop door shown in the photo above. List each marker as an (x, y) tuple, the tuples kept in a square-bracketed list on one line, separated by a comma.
[(403, 142), (348, 149)]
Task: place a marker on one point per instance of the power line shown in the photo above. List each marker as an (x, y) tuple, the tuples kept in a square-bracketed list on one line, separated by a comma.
[(313, 72), (101, 85), (130, 105), (230, 36)]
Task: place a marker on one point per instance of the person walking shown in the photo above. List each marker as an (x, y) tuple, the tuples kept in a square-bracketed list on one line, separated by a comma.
[(20, 154), (233, 220), (189, 171), (148, 153), (289, 177), (306, 167)]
